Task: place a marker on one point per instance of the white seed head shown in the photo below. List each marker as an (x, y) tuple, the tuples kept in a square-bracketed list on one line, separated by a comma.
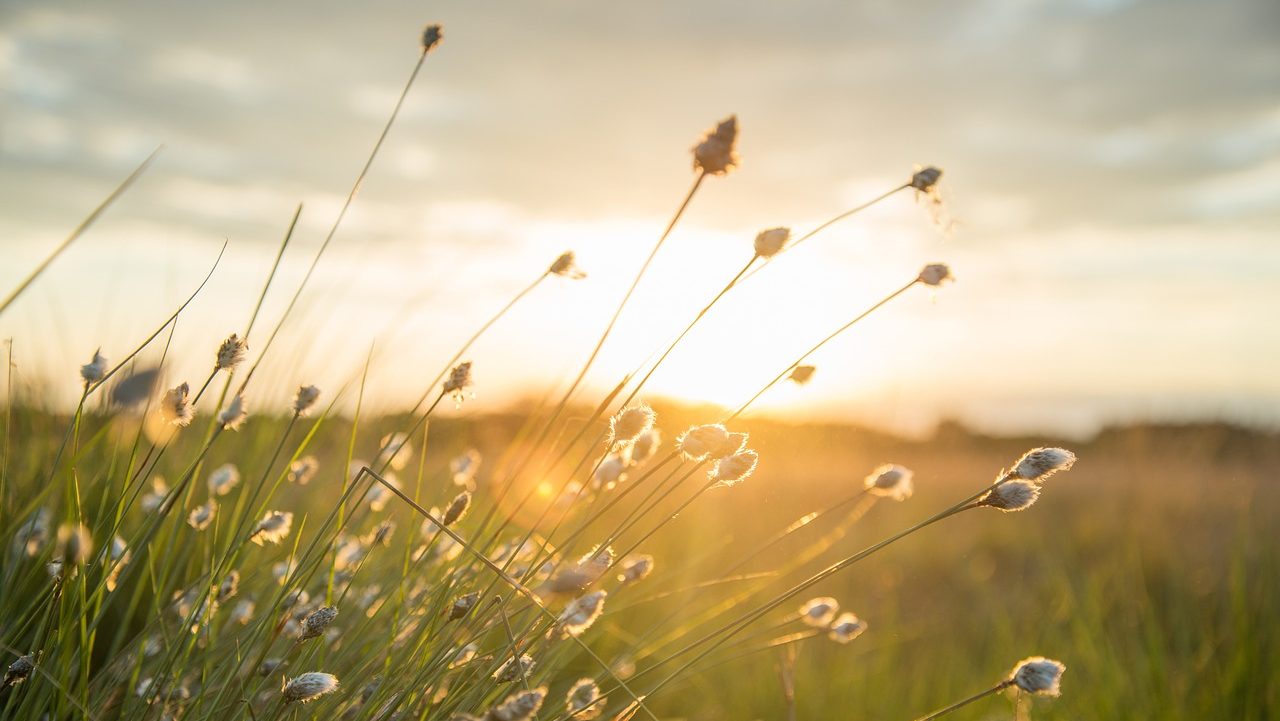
[(431, 37), (242, 612), (232, 417), (578, 616), (645, 446), (819, 612), (229, 586), (846, 627), (457, 508), (152, 500), (771, 242), (305, 398), (231, 353), (201, 516), (176, 408), (303, 470), (396, 451), (936, 274), (611, 470), (518, 706), (716, 153), (891, 481), (273, 528), (465, 467), (75, 544), (734, 469), (95, 370), (308, 686), (800, 375), (514, 669), (1038, 675), (566, 266), (635, 568), (710, 441), (223, 479), (317, 621), (583, 701), (459, 381), (1040, 463), (1011, 496), (630, 423), (925, 178)]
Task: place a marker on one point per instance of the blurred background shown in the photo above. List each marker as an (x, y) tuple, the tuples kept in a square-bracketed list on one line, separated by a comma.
[(1112, 171)]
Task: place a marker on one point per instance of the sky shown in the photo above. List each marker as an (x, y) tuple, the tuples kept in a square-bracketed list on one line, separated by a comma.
[(1111, 187)]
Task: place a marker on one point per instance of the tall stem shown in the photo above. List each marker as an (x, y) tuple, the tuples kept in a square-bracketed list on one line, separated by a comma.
[(958, 704)]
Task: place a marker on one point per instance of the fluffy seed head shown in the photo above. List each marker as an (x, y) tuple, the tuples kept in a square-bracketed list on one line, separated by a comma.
[(771, 242), (308, 686), (462, 605), (459, 381), (514, 669), (518, 706), (566, 266), (201, 516), (630, 423), (819, 612), (431, 37), (273, 528), (731, 470), (303, 470), (584, 701), (1040, 463), (925, 178), (229, 586), (635, 568), (305, 398), (611, 470), (645, 446), (465, 467), (34, 533), (152, 500), (890, 480), (846, 627), (800, 375), (578, 616), (176, 408), (935, 274), (457, 509), (75, 544), (1011, 496), (242, 612), (716, 154), (232, 417), (1038, 675), (231, 353), (223, 479), (710, 441), (317, 621), (19, 670), (95, 370)]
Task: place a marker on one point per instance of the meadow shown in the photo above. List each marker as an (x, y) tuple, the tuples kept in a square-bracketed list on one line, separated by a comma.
[(174, 549)]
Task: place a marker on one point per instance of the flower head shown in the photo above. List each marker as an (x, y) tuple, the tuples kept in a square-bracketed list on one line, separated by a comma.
[(819, 612), (231, 353), (925, 179), (645, 446), (465, 467), (846, 627), (201, 516), (935, 274), (800, 375), (232, 417), (95, 370), (715, 154), (890, 480), (317, 621), (1038, 675), (611, 470), (710, 441), (303, 470), (733, 469), (431, 37), (176, 408), (635, 568), (305, 398), (19, 670), (771, 242), (518, 706), (223, 479), (308, 686), (1040, 463), (630, 423), (584, 701), (273, 528), (514, 669), (1011, 496), (457, 508), (567, 267), (459, 381), (578, 616), (463, 604)]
